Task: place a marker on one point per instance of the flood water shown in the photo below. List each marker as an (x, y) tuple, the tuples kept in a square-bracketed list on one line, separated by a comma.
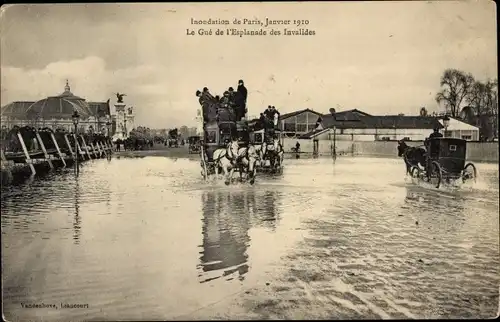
[(147, 239)]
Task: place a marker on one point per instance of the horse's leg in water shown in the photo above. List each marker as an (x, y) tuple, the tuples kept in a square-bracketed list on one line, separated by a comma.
[(216, 166), (272, 160), (241, 172), (407, 163), (228, 173), (244, 165)]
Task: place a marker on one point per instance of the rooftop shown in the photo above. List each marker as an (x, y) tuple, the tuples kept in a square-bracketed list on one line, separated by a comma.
[(292, 114)]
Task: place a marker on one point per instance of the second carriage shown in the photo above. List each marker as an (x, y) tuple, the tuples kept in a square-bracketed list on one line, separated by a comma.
[(217, 136), (445, 161), (269, 142), (194, 143)]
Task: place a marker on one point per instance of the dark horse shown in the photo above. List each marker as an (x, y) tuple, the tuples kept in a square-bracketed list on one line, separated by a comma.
[(411, 155)]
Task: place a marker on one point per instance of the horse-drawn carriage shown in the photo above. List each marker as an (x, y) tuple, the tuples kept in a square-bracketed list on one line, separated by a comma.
[(225, 148), (268, 142), (194, 144), (173, 138), (445, 160)]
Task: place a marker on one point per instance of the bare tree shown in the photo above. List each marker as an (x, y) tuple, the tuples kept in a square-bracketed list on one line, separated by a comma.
[(455, 86), (482, 109)]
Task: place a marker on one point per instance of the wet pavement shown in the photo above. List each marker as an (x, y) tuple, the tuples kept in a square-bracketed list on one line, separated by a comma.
[(146, 238)]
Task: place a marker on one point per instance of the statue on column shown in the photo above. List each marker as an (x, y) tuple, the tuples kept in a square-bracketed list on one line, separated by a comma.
[(130, 110), (120, 97)]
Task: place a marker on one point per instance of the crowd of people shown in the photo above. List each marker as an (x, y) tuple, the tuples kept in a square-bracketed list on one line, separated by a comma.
[(230, 107)]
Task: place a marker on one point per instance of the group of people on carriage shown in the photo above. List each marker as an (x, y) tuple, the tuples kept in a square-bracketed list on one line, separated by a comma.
[(230, 107)]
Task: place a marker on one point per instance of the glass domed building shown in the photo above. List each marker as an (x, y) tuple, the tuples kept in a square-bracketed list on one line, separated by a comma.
[(56, 111)]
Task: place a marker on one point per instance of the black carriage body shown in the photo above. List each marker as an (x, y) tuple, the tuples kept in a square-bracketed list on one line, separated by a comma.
[(194, 144), (450, 154), (218, 134), (261, 136), (211, 138), (243, 133)]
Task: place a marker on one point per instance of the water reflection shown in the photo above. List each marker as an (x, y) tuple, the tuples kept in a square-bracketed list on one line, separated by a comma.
[(428, 198), (227, 219), (266, 212)]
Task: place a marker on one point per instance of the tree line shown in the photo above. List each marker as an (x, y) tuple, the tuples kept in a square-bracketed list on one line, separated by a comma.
[(472, 101)]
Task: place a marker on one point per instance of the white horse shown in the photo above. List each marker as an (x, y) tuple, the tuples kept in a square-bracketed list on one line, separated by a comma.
[(274, 152), (247, 159), (225, 159)]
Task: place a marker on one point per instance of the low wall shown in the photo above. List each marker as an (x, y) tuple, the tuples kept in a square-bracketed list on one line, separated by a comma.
[(476, 151), (324, 146)]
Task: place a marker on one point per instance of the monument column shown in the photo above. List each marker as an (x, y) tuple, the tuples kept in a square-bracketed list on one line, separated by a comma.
[(130, 117), (120, 118)]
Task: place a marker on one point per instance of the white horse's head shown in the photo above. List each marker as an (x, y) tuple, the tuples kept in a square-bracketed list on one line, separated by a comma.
[(233, 147)]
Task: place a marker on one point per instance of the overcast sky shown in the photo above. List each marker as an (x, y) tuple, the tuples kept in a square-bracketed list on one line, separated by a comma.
[(380, 57)]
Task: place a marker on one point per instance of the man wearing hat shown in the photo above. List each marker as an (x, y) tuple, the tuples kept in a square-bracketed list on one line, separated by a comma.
[(271, 112), (209, 109), (241, 99), (206, 94)]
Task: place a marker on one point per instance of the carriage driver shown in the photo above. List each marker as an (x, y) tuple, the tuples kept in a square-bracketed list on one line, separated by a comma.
[(434, 134), (270, 114)]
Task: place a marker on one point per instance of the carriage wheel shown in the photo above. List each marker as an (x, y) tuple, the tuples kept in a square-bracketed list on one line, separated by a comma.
[(437, 172), (469, 174)]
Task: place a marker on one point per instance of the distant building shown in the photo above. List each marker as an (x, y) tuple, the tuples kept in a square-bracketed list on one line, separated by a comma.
[(298, 123), (56, 112), (461, 130), (355, 125)]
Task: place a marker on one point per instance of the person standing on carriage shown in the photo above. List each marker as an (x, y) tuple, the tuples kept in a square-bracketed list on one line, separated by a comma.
[(231, 93), (200, 98), (239, 105), (241, 99), (232, 101), (271, 113), (207, 95), (225, 100), (242, 90)]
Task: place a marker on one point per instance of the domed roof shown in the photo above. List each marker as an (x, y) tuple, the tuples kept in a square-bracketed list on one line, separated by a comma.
[(16, 109), (59, 107)]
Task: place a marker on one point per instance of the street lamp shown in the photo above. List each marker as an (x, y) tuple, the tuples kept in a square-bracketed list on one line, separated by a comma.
[(334, 148), (446, 123), (108, 126), (76, 118)]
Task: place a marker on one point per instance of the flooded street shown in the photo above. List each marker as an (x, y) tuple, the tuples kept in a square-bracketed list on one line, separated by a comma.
[(146, 239)]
